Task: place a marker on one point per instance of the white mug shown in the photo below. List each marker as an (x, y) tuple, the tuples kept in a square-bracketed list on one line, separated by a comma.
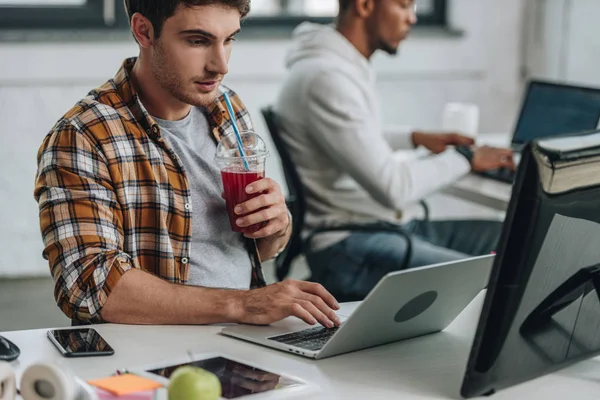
[(461, 118)]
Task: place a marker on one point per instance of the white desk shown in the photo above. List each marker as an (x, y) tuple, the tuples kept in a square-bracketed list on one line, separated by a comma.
[(429, 367), (483, 191)]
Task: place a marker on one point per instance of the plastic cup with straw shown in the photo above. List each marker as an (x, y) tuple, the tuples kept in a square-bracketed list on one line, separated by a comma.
[(238, 136), (241, 156)]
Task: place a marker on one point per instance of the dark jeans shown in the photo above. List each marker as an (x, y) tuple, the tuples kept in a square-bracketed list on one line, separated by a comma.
[(351, 268)]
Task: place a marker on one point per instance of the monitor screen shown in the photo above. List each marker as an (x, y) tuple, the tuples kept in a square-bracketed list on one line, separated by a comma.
[(542, 308), (552, 109)]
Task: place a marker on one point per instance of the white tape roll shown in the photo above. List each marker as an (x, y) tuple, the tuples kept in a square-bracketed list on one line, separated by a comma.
[(50, 382), (8, 383)]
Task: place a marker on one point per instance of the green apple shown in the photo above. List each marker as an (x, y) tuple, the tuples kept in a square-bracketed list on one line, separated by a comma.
[(191, 383)]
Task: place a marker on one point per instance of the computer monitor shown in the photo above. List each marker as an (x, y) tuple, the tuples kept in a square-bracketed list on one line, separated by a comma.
[(551, 109), (542, 308)]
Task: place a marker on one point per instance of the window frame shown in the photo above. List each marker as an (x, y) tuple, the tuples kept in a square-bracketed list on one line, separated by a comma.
[(437, 18), (91, 17)]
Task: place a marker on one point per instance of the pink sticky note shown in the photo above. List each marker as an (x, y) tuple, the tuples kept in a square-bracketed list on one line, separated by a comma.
[(104, 395)]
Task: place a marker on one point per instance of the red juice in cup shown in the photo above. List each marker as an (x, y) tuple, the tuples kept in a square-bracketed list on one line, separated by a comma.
[(235, 181), (238, 172)]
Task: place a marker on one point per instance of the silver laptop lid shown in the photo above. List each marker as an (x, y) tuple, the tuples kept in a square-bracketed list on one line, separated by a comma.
[(412, 303)]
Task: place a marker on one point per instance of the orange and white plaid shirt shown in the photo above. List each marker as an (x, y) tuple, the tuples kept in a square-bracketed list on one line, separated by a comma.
[(113, 196)]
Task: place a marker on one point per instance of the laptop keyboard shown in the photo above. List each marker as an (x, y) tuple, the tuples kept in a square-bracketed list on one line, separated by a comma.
[(310, 339)]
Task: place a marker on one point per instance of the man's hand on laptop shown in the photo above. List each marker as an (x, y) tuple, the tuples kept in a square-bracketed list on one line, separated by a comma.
[(308, 301), (438, 142), (489, 158)]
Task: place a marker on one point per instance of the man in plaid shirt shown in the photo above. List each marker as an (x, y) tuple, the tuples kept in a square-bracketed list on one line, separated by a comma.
[(125, 175)]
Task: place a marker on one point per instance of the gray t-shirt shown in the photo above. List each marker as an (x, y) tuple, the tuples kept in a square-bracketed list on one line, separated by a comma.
[(218, 258)]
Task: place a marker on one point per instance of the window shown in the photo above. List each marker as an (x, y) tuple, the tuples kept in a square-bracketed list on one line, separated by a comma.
[(110, 14), (286, 12), (62, 14)]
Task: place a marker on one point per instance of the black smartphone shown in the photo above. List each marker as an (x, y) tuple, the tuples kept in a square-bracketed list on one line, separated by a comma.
[(80, 342)]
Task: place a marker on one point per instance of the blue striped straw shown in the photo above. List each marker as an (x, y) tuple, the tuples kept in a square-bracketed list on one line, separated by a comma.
[(237, 132)]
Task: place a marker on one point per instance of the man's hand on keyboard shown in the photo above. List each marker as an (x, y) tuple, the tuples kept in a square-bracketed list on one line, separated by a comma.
[(306, 300), (489, 158)]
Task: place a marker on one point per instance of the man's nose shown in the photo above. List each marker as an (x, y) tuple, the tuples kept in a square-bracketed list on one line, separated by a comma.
[(217, 62), (412, 16), (413, 19)]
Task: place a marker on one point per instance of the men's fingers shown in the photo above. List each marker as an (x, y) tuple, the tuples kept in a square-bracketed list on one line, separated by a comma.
[(505, 156), (263, 215), (317, 314), (508, 162), (262, 201), (319, 290), (505, 152), (501, 162), (300, 312), (261, 185), (324, 308), (496, 152)]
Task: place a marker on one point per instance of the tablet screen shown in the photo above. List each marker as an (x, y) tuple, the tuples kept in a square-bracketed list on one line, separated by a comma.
[(237, 379)]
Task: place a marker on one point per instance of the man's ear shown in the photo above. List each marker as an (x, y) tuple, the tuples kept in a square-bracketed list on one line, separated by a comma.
[(364, 8), (142, 30)]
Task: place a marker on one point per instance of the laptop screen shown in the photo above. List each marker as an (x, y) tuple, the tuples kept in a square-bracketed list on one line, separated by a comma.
[(552, 109)]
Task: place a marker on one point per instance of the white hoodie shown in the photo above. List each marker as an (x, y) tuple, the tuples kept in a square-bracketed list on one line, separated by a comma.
[(330, 118)]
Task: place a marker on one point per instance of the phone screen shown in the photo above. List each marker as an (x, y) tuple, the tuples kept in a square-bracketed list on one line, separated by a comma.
[(80, 342)]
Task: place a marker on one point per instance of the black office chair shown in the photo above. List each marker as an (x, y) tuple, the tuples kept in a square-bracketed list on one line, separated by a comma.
[(296, 203)]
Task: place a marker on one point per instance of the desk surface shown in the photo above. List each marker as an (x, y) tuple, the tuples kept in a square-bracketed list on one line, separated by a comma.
[(429, 367), (483, 191)]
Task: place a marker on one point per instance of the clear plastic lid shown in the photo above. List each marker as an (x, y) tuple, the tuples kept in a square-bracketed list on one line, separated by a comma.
[(254, 147)]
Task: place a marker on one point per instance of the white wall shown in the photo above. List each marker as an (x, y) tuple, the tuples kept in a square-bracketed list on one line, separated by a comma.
[(39, 81), (564, 40)]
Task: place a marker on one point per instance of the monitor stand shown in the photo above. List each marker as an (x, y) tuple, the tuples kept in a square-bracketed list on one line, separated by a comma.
[(577, 286)]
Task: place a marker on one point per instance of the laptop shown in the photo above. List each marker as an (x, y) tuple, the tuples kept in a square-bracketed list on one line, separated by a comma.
[(551, 109), (403, 305)]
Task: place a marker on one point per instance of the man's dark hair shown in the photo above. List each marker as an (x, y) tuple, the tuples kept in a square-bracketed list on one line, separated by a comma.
[(344, 5), (158, 11)]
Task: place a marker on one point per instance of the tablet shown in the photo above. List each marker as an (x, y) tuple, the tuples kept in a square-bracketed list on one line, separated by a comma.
[(239, 378)]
